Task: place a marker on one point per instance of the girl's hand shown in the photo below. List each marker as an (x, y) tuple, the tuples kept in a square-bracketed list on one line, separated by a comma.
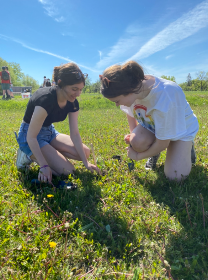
[(133, 154), (45, 174), (92, 167), (127, 138)]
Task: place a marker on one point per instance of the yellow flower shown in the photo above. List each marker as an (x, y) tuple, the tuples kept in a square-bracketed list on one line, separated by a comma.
[(52, 244), (50, 195)]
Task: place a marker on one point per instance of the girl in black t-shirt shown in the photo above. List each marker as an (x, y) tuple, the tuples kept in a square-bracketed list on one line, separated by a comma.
[(37, 138)]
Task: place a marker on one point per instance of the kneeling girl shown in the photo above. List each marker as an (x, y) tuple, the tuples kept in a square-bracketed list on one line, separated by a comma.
[(158, 114), (37, 138)]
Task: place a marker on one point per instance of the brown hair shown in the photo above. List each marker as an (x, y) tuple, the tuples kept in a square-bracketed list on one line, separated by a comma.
[(69, 74), (122, 79)]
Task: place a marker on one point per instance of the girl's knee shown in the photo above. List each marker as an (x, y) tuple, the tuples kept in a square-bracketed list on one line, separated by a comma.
[(139, 144), (176, 175)]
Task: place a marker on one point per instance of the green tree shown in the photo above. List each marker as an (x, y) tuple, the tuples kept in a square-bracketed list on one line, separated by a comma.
[(170, 78), (16, 73), (87, 87), (95, 87), (29, 81), (202, 77), (188, 80)]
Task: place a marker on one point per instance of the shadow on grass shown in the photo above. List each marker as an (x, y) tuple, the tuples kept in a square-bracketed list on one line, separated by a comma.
[(106, 228), (186, 251)]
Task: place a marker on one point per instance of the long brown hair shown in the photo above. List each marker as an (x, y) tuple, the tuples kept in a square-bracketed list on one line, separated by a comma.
[(122, 79), (69, 74)]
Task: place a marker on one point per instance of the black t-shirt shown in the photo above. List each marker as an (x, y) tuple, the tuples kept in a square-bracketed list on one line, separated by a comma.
[(47, 99)]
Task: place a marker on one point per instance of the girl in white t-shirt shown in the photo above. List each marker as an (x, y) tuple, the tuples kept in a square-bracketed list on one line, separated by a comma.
[(158, 114)]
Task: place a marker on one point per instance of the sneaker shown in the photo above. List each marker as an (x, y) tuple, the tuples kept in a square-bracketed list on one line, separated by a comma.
[(22, 160), (193, 154), (3, 97), (151, 162), (8, 97)]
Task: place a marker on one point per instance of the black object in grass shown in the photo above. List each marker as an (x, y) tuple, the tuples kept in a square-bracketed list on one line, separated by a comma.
[(131, 165), (61, 184), (66, 185), (117, 157), (35, 181)]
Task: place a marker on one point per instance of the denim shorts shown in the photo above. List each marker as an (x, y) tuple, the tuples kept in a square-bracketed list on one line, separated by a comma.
[(44, 137)]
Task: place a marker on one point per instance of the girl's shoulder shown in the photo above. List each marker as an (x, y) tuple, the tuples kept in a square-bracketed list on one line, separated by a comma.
[(44, 93)]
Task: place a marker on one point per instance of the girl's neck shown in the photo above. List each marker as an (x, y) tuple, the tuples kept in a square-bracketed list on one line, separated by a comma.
[(146, 87), (60, 97)]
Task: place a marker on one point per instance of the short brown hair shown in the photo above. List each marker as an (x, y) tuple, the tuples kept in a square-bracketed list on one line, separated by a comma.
[(122, 79), (69, 74)]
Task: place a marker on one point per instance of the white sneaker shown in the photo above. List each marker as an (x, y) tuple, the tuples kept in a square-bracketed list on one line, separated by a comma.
[(151, 162), (22, 160)]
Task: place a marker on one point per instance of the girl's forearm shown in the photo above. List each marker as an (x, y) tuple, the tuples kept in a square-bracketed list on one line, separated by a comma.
[(77, 141), (157, 147), (132, 123), (35, 148)]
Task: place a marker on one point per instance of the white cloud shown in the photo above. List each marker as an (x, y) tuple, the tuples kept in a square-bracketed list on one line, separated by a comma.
[(100, 54), (185, 26), (52, 10), (45, 52), (168, 56), (60, 19), (180, 29), (119, 50)]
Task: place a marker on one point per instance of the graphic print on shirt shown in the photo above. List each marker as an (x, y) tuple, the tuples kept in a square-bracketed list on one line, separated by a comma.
[(145, 120)]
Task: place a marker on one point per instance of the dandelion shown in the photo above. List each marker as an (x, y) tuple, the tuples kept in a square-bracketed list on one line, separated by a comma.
[(66, 225), (52, 244), (50, 195)]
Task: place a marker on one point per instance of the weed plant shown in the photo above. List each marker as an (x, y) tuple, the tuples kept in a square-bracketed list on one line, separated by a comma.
[(118, 225)]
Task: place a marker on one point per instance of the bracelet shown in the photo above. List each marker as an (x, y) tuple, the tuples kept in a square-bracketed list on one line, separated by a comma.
[(44, 166)]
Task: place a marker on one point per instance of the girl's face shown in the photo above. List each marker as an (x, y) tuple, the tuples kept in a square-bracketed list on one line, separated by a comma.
[(73, 91), (126, 100)]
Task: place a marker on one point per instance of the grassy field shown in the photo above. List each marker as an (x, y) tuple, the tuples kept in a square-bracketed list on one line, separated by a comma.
[(122, 225)]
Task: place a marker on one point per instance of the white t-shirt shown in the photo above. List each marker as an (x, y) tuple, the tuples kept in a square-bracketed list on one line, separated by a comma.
[(165, 112)]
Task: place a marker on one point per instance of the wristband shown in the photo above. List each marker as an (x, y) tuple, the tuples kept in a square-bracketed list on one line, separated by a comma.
[(44, 166)]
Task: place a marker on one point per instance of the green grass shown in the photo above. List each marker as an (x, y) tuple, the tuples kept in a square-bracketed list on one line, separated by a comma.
[(121, 225)]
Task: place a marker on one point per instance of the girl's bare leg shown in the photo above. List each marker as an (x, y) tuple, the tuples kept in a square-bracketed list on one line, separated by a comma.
[(178, 160), (141, 139), (65, 146), (57, 162)]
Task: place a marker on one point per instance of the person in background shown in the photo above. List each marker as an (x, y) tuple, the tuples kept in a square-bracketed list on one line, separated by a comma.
[(159, 117), (11, 91), (48, 83), (53, 84), (5, 82), (44, 81), (38, 139)]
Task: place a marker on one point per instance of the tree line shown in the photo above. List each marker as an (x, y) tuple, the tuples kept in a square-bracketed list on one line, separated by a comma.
[(200, 83), (18, 78)]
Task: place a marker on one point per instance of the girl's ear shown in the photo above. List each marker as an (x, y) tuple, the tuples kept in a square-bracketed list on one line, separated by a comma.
[(59, 83)]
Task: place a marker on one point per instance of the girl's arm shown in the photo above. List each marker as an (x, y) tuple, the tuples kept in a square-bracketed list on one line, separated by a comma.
[(77, 141), (157, 147), (37, 120), (132, 124)]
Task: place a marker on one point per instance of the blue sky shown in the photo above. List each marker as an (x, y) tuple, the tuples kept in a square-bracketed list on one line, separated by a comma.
[(165, 37)]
